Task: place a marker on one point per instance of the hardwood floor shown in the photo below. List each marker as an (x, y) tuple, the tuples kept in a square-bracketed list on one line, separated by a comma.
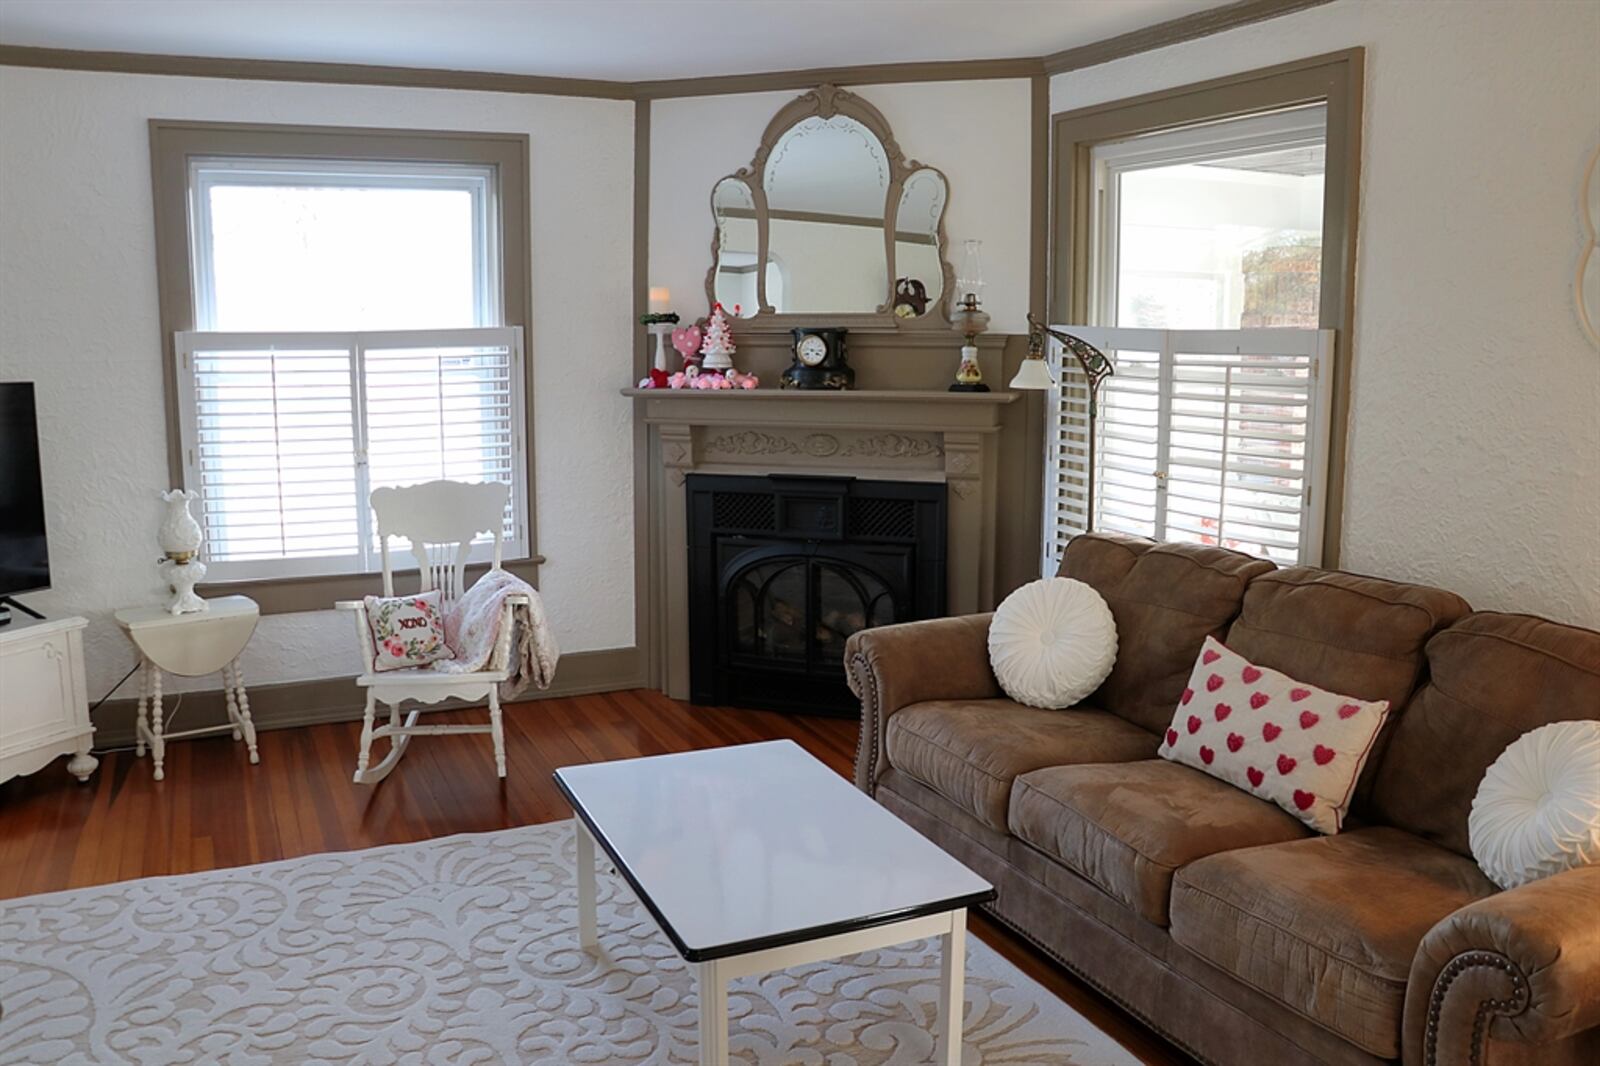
[(215, 810)]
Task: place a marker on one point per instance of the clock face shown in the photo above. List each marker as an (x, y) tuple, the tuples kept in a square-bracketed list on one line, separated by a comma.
[(812, 350)]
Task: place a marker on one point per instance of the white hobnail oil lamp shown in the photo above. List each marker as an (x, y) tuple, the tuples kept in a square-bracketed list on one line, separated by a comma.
[(179, 537)]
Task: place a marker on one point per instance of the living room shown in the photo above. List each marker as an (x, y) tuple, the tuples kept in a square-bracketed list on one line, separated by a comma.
[(1044, 531)]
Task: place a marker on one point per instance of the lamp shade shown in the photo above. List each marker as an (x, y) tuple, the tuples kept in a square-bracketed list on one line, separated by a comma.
[(1034, 373)]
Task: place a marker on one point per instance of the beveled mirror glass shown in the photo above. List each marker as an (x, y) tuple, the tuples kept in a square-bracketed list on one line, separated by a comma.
[(920, 281), (736, 249), (827, 181), (830, 224)]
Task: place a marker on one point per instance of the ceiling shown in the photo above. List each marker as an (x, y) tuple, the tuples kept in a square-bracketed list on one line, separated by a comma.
[(621, 40)]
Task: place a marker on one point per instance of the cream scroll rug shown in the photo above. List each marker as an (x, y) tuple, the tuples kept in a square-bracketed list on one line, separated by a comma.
[(458, 950)]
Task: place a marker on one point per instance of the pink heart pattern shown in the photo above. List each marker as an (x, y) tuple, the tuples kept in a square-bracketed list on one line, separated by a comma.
[(1316, 765)]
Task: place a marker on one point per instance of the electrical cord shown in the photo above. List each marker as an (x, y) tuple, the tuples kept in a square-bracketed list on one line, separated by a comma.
[(165, 725)]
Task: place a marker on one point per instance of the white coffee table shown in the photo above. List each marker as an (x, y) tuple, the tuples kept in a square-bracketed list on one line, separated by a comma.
[(758, 857)]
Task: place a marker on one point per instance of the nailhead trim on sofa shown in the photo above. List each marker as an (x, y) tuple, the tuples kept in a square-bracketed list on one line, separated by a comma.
[(1512, 1005)]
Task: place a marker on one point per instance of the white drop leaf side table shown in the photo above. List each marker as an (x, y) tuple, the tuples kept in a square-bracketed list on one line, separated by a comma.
[(191, 645), (44, 703)]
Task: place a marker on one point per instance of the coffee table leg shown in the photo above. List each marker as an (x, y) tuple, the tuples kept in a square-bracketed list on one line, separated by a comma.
[(587, 937), (952, 987), (713, 1014)]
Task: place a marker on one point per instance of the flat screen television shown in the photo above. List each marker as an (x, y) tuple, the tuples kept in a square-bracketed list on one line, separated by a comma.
[(24, 557)]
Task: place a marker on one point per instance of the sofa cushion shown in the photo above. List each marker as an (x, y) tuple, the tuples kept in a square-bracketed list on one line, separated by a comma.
[(1491, 678), (1166, 599), (1361, 636), (1128, 827), (969, 751), (1327, 925)]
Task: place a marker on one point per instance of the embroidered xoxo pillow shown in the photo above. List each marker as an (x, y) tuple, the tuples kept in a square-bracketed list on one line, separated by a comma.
[(406, 631), (1257, 729)]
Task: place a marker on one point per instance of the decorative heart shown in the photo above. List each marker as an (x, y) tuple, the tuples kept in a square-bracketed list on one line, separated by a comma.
[(1259, 700), (1322, 754), (1303, 799), (1286, 765), (1194, 724), (1309, 719), (1270, 731), (1210, 656), (1235, 741), (1250, 675), (1213, 682), (1206, 755), (1222, 711), (1298, 694), (686, 339), (1348, 710), (1188, 694), (1172, 737), (1255, 776)]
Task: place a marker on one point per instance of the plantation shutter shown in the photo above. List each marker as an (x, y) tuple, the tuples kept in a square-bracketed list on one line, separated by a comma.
[(1204, 436), (286, 435), (444, 411)]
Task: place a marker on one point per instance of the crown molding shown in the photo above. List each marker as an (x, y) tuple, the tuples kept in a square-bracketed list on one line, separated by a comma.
[(1173, 31), (324, 73), (871, 74)]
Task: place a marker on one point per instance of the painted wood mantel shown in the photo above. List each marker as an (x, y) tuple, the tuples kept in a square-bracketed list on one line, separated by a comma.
[(890, 434)]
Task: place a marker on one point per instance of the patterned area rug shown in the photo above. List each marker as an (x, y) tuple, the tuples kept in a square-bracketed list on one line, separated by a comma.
[(459, 950)]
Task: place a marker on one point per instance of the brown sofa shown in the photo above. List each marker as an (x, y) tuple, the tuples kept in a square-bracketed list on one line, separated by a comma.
[(1218, 919)]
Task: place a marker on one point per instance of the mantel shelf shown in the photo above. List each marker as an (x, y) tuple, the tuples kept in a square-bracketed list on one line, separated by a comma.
[(826, 395)]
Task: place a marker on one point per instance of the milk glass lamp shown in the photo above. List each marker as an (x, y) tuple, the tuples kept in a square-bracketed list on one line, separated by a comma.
[(969, 318), (1034, 373)]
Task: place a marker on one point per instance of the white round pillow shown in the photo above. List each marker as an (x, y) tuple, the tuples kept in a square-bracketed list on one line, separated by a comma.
[(1537, 811), (1052, 642)]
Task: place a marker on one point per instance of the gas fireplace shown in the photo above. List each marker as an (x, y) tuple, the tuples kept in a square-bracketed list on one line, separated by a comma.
[(783, 568)]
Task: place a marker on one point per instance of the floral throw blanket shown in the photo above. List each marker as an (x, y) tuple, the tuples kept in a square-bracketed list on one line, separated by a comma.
[(472, 626)]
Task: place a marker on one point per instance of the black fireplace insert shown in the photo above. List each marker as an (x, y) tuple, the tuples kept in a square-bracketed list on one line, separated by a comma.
[(783, 568)]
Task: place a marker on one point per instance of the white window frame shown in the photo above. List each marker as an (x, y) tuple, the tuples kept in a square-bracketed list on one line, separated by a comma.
[(480, 182), (365, 560), (1297, 127), (1065, 465)]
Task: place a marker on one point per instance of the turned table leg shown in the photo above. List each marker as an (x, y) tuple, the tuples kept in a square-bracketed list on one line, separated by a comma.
[(141, 725), (239, 707), (158, 743)]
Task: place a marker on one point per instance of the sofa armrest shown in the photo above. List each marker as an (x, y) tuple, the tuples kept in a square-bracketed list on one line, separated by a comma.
[(1522, 966), (891, 667)]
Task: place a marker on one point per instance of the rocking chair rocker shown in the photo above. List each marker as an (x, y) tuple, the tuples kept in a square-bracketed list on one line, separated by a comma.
[(439, 518)]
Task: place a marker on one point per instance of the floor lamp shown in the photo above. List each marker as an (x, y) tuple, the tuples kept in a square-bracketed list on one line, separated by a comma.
[(1035, 374)]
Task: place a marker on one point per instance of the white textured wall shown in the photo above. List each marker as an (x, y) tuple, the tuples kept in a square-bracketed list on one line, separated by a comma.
[(78, 316), (1474, 451), (977, 132)]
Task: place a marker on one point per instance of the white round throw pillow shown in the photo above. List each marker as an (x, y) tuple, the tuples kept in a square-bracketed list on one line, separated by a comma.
[(1537, 811), (1052, 642)]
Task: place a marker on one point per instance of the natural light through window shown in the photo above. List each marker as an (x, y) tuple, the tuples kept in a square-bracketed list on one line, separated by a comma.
[(1214, 227), (295, 247)]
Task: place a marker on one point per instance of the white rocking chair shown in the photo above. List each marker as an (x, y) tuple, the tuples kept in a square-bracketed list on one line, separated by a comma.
[(439, 518)]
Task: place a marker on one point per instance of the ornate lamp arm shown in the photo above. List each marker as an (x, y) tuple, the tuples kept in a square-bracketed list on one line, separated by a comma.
[(1096, 368)]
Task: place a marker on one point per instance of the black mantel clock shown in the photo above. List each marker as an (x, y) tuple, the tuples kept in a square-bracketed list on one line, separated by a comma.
[(819, 361)]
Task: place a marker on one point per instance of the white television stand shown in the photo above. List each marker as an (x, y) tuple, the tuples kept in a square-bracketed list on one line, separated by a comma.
[(44, 703)]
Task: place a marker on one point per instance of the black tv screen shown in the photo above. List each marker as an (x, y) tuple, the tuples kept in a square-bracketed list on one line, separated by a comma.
[(24, 559)]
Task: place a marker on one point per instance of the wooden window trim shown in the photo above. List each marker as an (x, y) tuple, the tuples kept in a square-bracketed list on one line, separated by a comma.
[(173, 143), (1337, 79)]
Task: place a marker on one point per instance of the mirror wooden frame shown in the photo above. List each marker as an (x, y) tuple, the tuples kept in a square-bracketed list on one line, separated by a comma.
[(826, 101)]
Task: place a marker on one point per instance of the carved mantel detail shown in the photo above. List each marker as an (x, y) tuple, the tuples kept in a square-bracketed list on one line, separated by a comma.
[(827, 445)]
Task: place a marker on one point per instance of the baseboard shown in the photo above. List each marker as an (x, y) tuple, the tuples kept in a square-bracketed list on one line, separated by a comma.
[(293, 704)]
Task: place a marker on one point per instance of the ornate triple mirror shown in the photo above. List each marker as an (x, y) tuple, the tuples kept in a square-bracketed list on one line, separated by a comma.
[(830, 223)]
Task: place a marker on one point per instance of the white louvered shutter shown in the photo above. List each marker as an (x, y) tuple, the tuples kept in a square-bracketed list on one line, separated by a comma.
[(445, 411), (1210, 437), (285, 436)]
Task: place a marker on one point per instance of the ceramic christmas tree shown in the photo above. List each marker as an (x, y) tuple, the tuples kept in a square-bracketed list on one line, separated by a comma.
[(718, 347)]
